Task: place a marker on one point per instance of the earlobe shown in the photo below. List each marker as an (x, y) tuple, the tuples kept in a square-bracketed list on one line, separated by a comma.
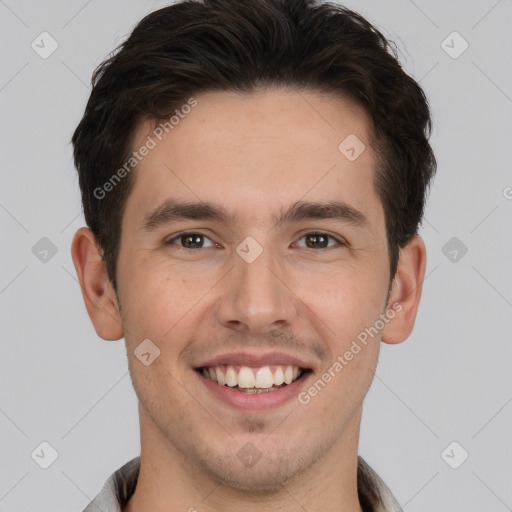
[(405, 293), (99, 295)]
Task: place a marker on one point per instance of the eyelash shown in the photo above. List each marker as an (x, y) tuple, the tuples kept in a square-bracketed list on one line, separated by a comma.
[(171, 241)]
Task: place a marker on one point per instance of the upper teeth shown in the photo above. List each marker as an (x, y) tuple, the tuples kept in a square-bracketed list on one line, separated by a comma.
[(244, 377)]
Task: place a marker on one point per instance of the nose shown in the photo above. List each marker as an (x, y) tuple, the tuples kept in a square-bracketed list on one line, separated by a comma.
[(255, 298)]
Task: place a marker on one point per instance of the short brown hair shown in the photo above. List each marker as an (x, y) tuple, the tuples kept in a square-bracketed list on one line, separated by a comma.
[(246, 45)]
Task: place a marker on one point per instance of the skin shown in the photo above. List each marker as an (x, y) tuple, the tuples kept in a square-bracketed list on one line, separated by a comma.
[(254, 154)]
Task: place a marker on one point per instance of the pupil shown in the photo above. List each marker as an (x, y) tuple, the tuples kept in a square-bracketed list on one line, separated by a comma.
[(314, 239), (192, 240)]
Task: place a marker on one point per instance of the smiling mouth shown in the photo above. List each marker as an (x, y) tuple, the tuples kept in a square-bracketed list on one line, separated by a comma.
[(247, 379)]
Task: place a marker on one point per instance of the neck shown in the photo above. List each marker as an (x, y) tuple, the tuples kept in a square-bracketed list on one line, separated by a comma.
[(169, 482)]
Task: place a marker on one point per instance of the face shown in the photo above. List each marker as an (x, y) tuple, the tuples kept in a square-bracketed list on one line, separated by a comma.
[(275, 279)]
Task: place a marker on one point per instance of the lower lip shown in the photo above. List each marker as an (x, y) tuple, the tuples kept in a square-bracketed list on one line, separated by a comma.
[(254, 401)]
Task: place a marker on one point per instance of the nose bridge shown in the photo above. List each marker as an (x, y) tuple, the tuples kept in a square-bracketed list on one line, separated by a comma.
[(258, 271), (256, 299)]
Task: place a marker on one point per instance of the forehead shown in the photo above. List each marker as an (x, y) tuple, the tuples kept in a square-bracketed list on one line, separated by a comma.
[(252, 151)]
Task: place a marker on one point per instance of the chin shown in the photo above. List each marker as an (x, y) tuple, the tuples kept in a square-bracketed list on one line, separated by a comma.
[(268, 471), (264, 479)]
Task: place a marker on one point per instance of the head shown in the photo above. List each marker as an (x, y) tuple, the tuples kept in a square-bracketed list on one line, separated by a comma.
[(260, 112)]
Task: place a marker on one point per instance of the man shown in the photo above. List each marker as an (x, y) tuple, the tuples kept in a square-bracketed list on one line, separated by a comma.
[(253, 176)]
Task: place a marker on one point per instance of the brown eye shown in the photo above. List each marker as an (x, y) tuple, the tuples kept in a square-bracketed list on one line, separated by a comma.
[(190, 241), (319, 241), (314, 241)]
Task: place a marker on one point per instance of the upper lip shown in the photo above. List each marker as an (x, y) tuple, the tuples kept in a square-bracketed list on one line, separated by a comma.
[(255, 360)]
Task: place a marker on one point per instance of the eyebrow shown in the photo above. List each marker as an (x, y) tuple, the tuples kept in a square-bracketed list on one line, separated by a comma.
[(172, 211)]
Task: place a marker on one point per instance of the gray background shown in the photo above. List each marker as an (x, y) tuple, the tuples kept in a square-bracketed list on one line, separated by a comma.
[(451, 381)]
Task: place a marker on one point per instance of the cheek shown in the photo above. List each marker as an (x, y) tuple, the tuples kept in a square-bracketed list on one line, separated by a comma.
[(344, 316), (346, 300), (157, 300)]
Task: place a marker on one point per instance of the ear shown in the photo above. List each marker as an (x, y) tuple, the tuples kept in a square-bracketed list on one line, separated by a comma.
[(405, 294), (99, 295)]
